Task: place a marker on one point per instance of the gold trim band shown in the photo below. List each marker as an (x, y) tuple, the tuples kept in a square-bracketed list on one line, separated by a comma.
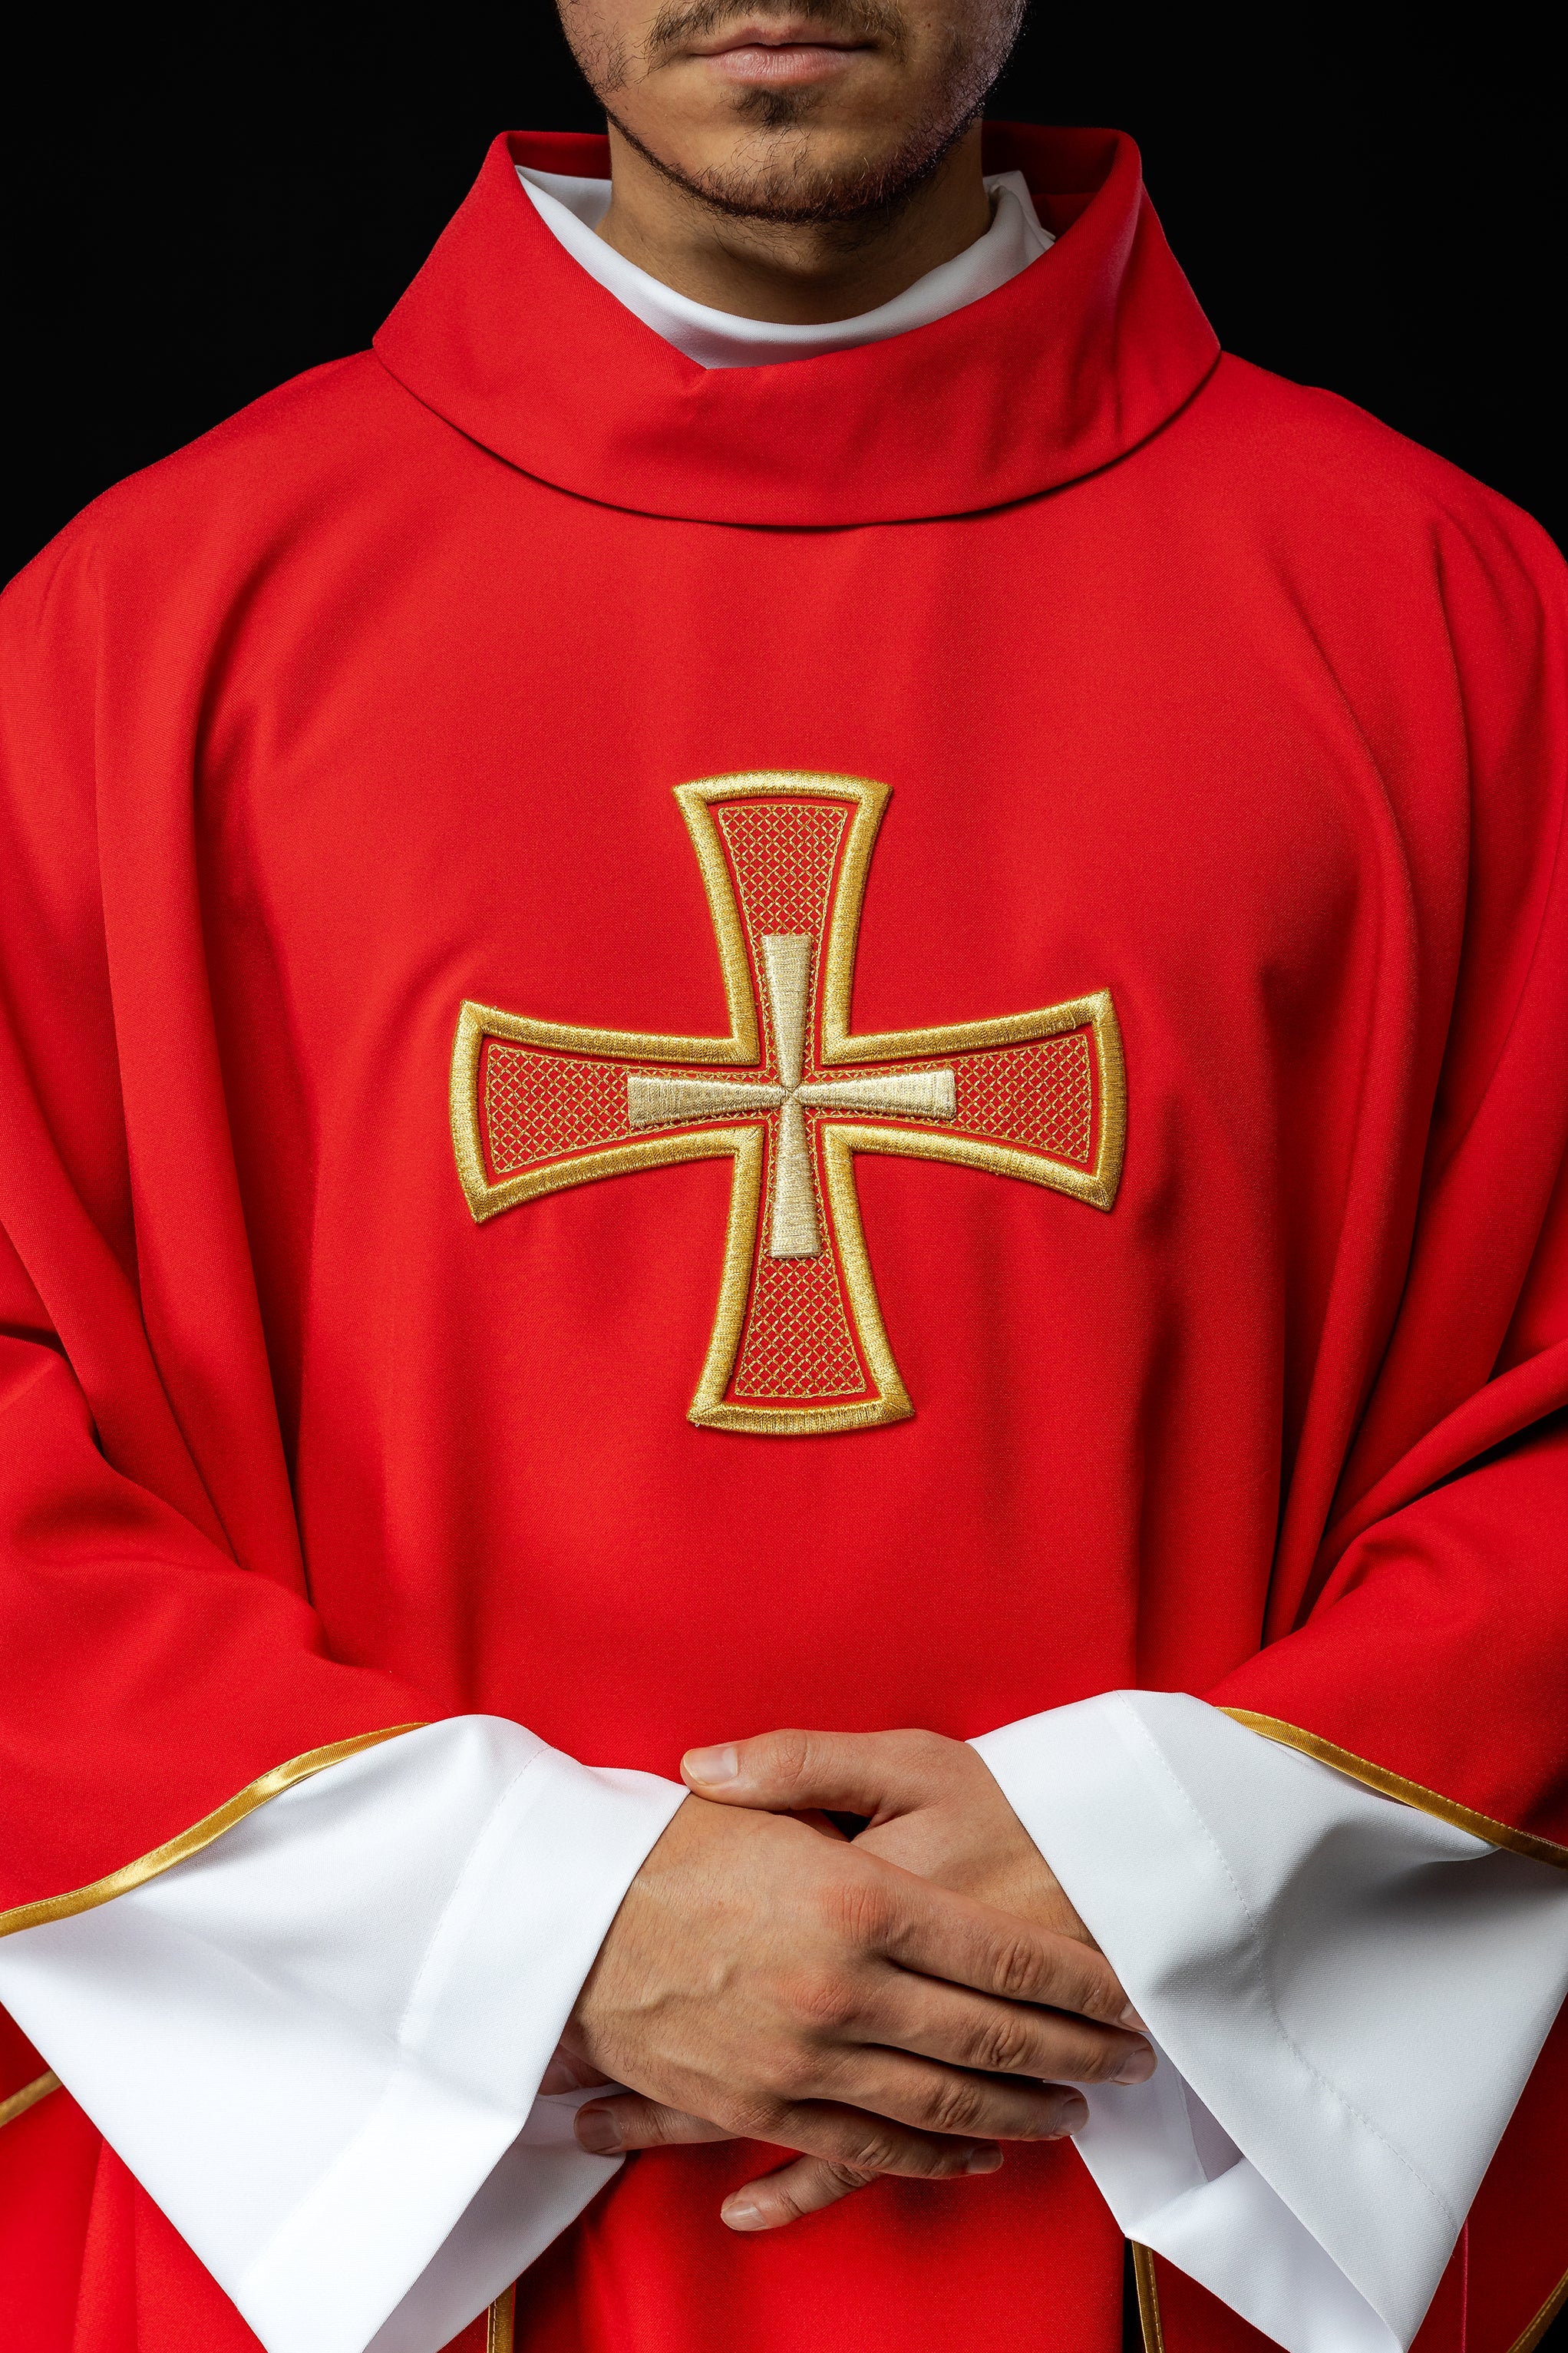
[(1531, 2335), (1394, 1785), (1148, 2299), (200, 1834), (501, 2321), (28, 2097)]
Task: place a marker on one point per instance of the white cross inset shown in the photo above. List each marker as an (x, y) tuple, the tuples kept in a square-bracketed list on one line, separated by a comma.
[(794, 1230)]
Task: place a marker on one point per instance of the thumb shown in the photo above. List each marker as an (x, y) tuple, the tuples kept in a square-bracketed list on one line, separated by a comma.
[(791, 1772)]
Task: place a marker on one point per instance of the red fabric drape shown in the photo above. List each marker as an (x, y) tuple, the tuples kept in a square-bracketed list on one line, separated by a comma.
[(1189, 685)]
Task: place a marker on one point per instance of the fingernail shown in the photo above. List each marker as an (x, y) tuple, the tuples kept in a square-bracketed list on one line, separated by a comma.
[(597, 2130), (712, 1766), (983, 2160), (1130, 2018), (1075, 2113), (741, 2214), (1137, 2067)]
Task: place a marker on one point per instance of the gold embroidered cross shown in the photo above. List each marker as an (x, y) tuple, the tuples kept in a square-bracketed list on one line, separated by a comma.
[(798, 1346)]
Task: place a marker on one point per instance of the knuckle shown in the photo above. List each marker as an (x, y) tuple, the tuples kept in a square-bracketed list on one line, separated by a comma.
[(756, 2113), (787, 1756), (1015, 1963), (845, 2176), (1005, 2046), (826, 2004), (859, 1908), (954, 2106), (934, 2159), (867, 2153), (788, 2194)]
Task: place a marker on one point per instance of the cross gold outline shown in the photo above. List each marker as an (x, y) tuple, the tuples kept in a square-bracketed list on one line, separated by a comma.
[(841, 1139)]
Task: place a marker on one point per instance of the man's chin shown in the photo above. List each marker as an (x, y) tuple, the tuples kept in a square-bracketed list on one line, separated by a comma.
[(795, 175)]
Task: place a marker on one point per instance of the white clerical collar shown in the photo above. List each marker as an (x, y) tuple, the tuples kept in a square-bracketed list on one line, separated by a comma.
[(573, 209)]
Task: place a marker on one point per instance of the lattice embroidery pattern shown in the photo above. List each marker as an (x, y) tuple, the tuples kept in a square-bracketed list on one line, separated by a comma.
[(798, 1340), (541, 1106), (782, 853), (1039, 1096)]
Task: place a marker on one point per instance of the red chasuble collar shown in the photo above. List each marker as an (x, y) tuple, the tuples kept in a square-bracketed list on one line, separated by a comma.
[(1059, 372)]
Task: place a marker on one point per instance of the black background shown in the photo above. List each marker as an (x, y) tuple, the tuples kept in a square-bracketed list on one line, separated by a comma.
[(197, 209)]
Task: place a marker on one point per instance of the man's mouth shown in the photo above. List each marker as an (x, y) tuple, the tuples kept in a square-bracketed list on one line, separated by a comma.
[(778, 51)]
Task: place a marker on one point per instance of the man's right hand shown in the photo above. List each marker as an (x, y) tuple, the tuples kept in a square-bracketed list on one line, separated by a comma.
[(796, 1991)]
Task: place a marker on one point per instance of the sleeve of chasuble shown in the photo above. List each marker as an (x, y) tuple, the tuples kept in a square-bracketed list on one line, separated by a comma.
[(379, 2009), (1337, 1891)]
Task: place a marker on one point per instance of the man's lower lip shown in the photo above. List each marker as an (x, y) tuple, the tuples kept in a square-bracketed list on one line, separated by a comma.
[(789, 62)]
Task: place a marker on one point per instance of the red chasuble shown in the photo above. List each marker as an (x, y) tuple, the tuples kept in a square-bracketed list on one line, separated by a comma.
[(871, 1042)]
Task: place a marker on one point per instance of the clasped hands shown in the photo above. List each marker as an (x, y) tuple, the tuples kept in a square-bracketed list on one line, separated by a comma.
[(897, 2004)]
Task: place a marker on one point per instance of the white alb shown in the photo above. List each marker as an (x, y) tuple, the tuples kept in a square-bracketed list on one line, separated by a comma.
[(317, 2044), (1347, 1995), (572, 208)]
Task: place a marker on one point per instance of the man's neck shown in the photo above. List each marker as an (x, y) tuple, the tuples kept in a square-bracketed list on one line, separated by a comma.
[(792, 272)]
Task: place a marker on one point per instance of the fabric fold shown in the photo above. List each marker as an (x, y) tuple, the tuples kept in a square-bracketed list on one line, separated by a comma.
[(373, 1971), (1348, 1996)]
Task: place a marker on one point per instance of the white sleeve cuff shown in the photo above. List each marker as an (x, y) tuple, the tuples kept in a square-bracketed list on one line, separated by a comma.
[(316, 2044), (1348, 1997)]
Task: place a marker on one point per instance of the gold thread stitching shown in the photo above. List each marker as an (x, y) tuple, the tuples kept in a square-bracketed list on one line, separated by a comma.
[(28, 2097), (201, 1835), (1148, 2299), (654, 1099), (501, 2322), (893, 1404), (793, 1230), (702, 806), (786, 963), (735, 1280), (1394, 1785), (1531, 2335), (798, 1344)]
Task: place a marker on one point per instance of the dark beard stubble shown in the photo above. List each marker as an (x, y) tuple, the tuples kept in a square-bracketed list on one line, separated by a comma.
[(786, 188)]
